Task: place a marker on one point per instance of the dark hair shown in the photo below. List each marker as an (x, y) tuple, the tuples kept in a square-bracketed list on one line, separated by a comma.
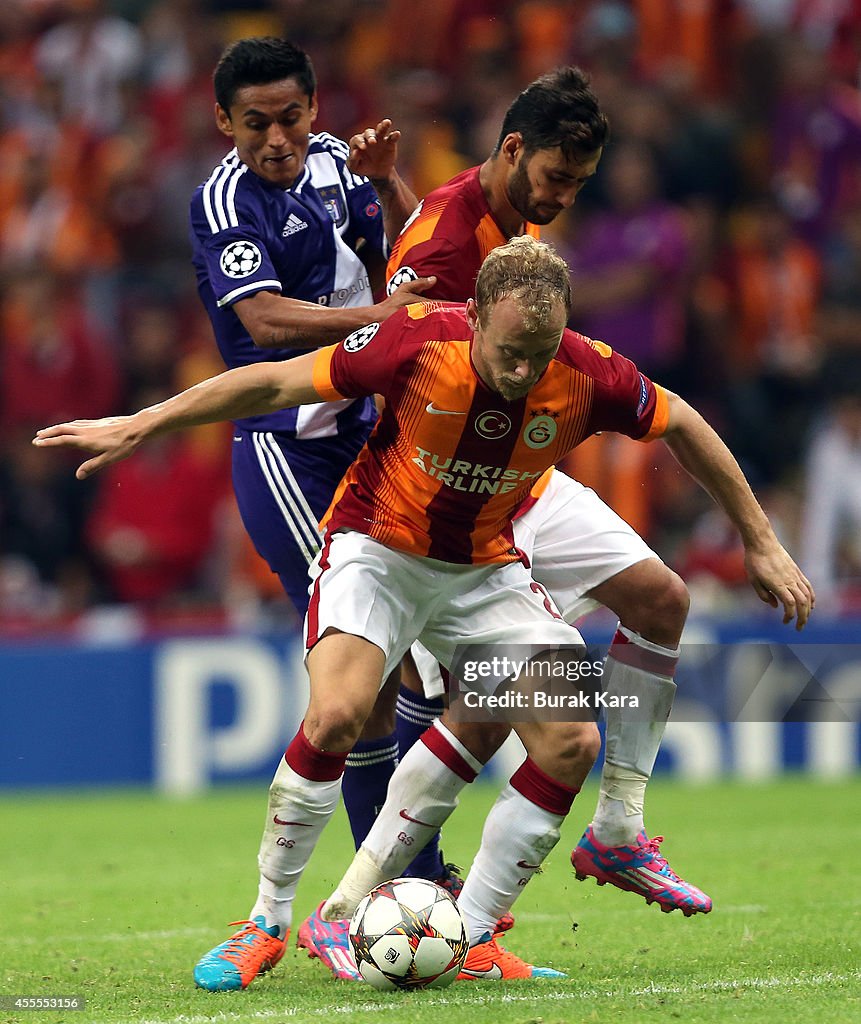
[(558, 110), (258, 61)]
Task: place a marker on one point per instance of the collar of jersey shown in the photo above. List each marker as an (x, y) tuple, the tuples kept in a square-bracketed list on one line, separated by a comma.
[(301, 181)]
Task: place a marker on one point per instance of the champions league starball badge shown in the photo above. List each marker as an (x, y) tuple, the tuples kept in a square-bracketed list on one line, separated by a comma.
[(358, 339), (240, 259)]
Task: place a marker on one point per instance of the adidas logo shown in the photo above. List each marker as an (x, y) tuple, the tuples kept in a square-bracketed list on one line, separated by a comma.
[(292, 225)]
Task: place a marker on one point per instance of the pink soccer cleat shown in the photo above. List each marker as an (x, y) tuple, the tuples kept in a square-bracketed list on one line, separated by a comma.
[(329, 941), (638, 868)]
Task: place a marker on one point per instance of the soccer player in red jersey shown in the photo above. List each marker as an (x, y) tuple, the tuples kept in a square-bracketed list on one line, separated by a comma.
[(419, 544), (550, 144)]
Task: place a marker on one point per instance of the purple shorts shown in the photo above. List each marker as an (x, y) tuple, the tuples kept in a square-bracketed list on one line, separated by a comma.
[(283, 487)]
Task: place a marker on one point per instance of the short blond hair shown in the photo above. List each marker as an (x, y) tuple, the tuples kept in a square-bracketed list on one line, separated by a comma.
[(530, 272)]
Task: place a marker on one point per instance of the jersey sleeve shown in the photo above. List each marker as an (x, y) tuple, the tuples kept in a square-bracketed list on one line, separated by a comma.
[(364, 363), (231, 240), (626, 401), (453, 268)]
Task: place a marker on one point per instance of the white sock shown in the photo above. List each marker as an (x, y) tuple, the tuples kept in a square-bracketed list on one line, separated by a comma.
[(634, 667), (423, 791), (619, 815), (286, 848), (518, 834), (275, 912)]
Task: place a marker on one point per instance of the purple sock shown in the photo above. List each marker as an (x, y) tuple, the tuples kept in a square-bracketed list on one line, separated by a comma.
[(415, 713), (366, 778)]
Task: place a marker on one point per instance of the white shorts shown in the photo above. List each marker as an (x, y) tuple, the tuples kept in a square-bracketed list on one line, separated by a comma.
[(392, 598), (574, 542)]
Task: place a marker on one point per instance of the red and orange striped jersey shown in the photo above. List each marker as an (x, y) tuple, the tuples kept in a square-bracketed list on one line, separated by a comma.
[(450, 460), (449, 235)]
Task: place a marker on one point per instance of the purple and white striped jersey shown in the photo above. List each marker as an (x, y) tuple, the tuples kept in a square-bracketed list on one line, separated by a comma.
[(249, 235)]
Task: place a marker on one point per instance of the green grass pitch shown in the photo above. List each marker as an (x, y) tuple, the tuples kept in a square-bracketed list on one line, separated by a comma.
[(114, 897)]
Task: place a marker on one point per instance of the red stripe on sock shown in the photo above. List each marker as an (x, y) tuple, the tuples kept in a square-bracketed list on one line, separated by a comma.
[(630, 653), (313, 764), (530, 781), (440, 747)]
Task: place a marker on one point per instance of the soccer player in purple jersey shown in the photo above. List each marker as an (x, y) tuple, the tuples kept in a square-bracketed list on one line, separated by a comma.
[(283, 232), (288, 233)]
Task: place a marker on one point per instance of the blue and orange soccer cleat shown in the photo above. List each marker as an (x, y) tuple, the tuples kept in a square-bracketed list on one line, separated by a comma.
[(251, 951), (639, 868), (488, 961), (329, 941)]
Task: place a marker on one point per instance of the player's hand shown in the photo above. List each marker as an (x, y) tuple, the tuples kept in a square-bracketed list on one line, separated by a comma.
[(777, 580), (374, 151), (109, 440), (403, 295)]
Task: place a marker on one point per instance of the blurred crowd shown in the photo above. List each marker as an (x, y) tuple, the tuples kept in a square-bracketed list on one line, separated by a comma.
[(719, 246)]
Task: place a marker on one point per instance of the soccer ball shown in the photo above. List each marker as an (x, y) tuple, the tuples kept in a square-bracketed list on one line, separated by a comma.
[(409, 933)]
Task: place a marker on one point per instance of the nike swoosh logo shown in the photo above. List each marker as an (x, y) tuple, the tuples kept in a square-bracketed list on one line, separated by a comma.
[(278, 821), (432, 409), (494, 973), (417, 821), (528, 867)]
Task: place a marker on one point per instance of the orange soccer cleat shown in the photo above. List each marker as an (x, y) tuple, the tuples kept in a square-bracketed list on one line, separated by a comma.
[(491, 962), (253, 950)]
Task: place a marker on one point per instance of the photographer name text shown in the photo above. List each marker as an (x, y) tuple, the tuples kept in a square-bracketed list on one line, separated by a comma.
[(538, 700)]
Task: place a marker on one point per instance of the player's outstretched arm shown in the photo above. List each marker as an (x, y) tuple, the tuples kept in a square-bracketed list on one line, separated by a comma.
[(245, 391), (278, 321), (374, 152), (773, 574)]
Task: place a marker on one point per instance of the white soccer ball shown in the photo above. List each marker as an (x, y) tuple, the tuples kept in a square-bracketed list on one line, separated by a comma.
[(409, 933)]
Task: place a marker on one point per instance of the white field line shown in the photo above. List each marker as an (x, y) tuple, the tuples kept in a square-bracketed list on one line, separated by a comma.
[(181, 933), (501, 998), (109, 937), (740, 908)]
